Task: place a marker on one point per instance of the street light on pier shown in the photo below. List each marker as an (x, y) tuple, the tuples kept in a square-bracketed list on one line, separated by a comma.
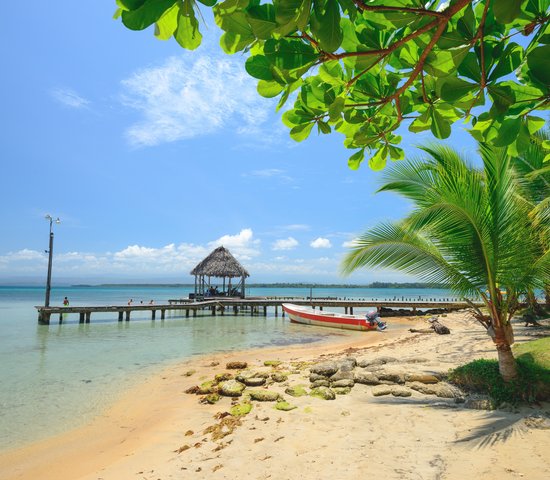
[(50, 254)]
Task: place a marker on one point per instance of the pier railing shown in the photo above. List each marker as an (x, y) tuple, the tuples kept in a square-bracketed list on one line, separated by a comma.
[(253, 305)]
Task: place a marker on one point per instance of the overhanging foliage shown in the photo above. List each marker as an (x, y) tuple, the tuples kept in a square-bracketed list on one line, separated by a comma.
[(366, 68)]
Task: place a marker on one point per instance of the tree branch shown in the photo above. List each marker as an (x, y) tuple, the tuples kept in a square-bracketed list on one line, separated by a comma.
[(381, 8)]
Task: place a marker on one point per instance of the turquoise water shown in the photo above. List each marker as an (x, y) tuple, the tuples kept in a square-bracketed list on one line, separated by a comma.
[(59, 376)]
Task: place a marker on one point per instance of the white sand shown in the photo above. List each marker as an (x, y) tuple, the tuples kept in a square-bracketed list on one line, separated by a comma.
[(354, 436)]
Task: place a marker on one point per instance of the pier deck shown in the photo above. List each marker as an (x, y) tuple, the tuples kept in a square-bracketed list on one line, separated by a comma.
[(254, 305)]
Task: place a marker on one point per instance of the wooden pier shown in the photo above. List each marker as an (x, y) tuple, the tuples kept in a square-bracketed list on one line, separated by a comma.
[(219, 306)]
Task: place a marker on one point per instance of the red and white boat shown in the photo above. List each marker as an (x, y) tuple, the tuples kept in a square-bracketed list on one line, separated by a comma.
[(310, 316)]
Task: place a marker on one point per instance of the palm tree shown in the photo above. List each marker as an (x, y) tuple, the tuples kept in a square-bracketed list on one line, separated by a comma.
[(470, 229), (535, 175)]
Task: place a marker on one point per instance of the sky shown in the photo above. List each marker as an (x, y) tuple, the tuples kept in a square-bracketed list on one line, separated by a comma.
[(152, 156)]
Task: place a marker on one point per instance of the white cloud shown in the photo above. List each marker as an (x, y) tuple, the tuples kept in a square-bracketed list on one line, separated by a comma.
[(285, 244), (69, 98), (321, 243), (191, 96), (243, 245)]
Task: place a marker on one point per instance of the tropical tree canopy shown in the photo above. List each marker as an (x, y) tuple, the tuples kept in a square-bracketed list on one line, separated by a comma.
[(470, 229), (365, 68)]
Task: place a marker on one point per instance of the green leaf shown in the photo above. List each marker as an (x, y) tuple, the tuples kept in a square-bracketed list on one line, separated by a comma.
[(354, 162), (323, 127), (130, 4), (421, 123), (289, 54), (269, 89), (301, 132), (326, 27), (534, 124), (234, 42), (454, 88), (258, 66), (440, 127), (262, 20), (146, 14), (379, 159), (396, 153), (508, 132), (502, 96), (538, 61), (167, 24), (506, 11), (336, 108), (510, 59), (443, 62), (470, 67), (187, 34), (209, 3)]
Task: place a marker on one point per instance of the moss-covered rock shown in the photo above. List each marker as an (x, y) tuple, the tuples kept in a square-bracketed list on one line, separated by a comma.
[(240, 409), (236, 365), (263, 395), (208, 387), (344, 383), (231, 388), (279, 377), (272, 363), (211, 399), (341, 390), (254, 381), (323, 393), (284, 406), (366, 378), (320, 383), (223, 377), (296, 391), (326, 369)]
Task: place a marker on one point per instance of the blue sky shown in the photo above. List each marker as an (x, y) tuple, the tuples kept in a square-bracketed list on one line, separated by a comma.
[(153, 156)]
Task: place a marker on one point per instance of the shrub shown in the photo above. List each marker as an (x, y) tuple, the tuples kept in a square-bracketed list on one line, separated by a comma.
[(482, 376)]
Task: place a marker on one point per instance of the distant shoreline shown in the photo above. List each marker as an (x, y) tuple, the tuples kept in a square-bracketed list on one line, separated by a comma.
[(271, 285)]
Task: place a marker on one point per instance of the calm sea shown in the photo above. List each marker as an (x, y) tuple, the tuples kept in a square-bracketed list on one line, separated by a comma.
[(59, 376)]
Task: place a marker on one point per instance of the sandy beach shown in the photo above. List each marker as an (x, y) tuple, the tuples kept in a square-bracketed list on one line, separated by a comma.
[(157, 431)]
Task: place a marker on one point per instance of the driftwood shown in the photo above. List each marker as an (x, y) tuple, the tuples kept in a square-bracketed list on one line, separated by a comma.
[(435, 327)]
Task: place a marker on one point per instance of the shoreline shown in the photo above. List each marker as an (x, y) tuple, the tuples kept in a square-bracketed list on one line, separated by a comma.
[(139, 436), (99, 439)]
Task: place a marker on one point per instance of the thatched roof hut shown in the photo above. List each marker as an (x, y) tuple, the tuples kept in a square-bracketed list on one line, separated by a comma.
[(219, 264)]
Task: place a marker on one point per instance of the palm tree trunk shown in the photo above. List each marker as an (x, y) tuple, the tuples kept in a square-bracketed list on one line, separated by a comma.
[(547, 294), (507, 365)]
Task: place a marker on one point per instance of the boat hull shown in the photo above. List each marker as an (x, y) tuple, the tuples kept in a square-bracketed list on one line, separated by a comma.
[(308, 316)]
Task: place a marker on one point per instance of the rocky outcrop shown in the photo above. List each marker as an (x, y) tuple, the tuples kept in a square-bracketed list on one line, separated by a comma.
[(231, 388)]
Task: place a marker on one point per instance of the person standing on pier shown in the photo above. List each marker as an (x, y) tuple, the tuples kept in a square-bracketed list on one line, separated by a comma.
[(65, 302)]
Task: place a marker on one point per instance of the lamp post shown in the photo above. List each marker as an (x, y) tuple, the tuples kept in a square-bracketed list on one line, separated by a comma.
[(50, 254)]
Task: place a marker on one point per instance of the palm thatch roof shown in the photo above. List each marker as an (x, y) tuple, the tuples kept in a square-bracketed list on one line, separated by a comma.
[(220, 263)]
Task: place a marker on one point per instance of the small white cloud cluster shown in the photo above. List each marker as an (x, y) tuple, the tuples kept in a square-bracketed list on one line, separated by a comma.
[(285, 244), (321, 243)]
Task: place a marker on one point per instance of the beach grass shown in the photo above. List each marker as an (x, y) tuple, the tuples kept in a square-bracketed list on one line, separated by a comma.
[(533, 382)]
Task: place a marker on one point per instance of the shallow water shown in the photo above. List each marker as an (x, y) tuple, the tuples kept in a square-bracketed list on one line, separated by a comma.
[(59, 376)]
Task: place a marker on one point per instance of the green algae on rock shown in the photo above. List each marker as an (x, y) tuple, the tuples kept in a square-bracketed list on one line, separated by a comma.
[(240, 409), (263, 395), (296, 391), (284, 406), (323, 393)]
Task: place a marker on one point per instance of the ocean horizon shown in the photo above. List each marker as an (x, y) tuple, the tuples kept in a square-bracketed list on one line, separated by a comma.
[(59, 376)]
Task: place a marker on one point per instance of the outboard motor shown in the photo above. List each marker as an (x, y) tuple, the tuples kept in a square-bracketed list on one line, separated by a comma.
[(373, 318)]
